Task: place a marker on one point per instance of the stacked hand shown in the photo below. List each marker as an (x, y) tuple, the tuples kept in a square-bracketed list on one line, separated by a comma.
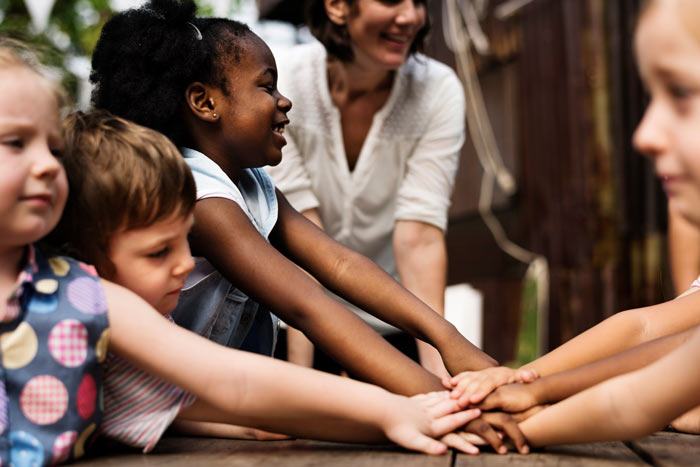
[(493, 388)]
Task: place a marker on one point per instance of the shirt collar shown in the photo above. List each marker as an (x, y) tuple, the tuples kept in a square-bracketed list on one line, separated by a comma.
[(26, 276)]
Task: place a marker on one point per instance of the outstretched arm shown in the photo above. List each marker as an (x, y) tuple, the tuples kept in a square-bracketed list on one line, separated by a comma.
[(421, 260), (223, 233), (252, 390), (556, 387), (363, 283), (620, 332), (628, 406)]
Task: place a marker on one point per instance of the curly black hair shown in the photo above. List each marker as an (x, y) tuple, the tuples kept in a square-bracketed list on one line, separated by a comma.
[(336, 39), (145, 58)]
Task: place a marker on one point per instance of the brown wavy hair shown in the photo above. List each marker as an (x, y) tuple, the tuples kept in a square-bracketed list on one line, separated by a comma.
[(122, 176)]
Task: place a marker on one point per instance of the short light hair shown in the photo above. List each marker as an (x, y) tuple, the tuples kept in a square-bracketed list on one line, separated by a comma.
[(122, 176), (15, 53)]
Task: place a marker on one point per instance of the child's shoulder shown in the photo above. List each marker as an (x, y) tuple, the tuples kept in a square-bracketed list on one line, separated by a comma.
[(62, 266)]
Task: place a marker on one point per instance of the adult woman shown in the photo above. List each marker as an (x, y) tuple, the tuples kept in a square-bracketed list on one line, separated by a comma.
[(374, 142)]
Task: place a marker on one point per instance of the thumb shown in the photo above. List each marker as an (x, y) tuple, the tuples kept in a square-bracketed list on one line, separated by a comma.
[(527, 376)]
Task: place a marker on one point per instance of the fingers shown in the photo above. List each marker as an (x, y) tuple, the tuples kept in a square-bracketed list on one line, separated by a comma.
[(526, 376), (432, 399), (261, 435), (426, 445), (472, 387), (455, 441), (472, 438), (506, 424), (451, 422), (446, 381), (487, 433)]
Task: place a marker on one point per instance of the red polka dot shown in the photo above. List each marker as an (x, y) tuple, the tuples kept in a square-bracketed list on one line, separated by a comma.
[(87, 395)]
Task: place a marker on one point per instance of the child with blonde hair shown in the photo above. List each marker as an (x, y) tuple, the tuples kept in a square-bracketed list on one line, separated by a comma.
[(60, 320)]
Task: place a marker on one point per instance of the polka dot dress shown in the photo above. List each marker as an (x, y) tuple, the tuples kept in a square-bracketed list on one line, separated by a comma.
[(53, 337)]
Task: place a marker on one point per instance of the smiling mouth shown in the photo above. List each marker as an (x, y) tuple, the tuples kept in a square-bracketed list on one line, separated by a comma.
[(401, 39), (279, 128), (45, 198)]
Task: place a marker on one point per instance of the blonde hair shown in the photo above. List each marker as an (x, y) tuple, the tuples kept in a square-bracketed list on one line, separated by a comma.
[(14, 53), (122, 176)]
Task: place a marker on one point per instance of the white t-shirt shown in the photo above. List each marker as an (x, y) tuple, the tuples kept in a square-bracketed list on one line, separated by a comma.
[(406, 167)]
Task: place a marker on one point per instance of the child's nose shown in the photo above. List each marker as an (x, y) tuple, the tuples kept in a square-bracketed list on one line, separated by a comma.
[(284, 104), (650, 138), (46, 165), (185, 264)]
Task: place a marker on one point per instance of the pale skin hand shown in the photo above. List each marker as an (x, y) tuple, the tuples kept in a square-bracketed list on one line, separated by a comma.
[(421, 261), (471, 387), (242, 388)]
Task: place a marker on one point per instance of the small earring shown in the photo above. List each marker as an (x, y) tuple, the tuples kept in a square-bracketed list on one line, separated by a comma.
[(214, 115)]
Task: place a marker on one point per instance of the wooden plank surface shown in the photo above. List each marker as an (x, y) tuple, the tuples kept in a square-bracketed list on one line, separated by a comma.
[(595, 454), (206, 452), (669, 449), (662, 449)]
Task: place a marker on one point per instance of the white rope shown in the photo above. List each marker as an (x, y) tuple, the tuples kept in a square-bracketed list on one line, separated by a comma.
[(461, 29)]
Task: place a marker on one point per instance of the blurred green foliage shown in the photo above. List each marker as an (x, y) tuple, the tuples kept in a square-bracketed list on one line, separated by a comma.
[(73, 29)]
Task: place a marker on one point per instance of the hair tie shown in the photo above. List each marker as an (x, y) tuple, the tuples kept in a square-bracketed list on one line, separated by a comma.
[(196, 29)]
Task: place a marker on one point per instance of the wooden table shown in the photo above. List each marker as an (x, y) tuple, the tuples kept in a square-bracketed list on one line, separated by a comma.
[(661, 449)]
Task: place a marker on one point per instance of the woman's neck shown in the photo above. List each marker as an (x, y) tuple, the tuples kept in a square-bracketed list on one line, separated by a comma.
[(348, 81)]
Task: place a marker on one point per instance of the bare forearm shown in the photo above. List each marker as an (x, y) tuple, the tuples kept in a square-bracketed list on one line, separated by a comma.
[(243, 387), (421, 261), (362, 282), (625, 407), (355, 346), (556, 387), (621, 332)]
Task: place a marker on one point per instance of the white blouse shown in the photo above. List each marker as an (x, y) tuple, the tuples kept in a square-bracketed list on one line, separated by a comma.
[(407, 164)]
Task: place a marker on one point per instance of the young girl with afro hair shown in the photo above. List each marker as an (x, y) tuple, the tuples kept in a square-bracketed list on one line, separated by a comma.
[(210, 85)]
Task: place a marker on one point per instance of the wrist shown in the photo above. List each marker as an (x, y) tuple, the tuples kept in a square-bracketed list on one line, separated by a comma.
[(538, 390)]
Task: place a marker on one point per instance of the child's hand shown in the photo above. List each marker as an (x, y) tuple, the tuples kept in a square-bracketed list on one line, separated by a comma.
[(425, 417), (471, 387), (489, 429), (513, 398)]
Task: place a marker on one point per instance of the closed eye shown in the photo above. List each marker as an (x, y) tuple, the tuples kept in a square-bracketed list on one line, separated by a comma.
[(160, 253), (14, 143)]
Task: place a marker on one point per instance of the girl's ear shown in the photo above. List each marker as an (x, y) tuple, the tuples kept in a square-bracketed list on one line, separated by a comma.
[(337, 11), (201, 102)]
